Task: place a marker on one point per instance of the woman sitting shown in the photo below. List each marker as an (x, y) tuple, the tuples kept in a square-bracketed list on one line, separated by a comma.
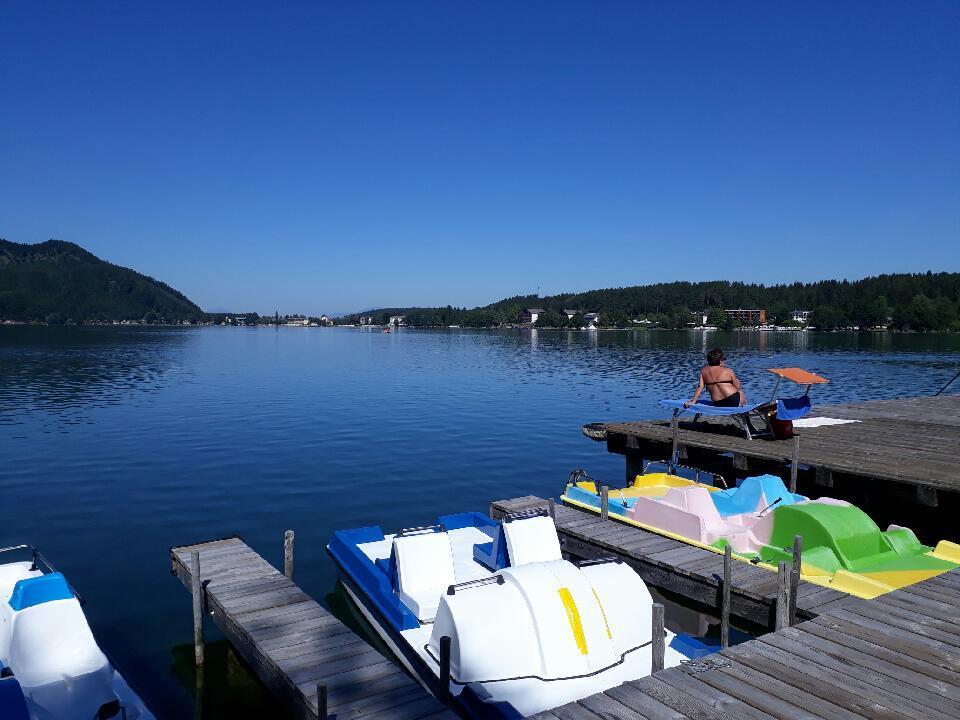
[(721, 382)]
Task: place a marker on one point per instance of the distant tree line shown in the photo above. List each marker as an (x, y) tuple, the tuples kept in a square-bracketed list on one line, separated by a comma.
[(920, 302)]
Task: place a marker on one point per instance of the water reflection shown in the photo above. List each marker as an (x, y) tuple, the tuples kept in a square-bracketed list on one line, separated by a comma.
[(68, 371)]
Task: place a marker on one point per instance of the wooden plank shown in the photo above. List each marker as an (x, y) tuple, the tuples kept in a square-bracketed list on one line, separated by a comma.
[(710, 695)]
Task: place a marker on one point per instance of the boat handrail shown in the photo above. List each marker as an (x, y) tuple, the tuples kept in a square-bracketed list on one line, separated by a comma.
[(597, 561), (470, 584), (525, 514), (35, 557), (671, 467), (422, 529)]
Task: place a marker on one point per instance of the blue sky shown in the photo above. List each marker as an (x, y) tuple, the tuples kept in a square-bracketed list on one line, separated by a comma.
[(324, 157)]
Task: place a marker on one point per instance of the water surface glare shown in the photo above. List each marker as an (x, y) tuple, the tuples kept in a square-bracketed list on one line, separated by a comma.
[(120, 442)]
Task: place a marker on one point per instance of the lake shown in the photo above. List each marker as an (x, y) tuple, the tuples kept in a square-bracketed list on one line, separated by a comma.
[(120, 442)]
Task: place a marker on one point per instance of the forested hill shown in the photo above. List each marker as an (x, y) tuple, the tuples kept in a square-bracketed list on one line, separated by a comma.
[(925, 301), (57, 281)]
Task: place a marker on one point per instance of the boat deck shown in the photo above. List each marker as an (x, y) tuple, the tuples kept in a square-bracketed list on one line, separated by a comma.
[(910, 443), (293, 644), (675, 566), (897, 656)]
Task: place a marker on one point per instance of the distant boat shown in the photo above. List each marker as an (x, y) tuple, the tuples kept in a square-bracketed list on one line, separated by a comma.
[(386, 330)]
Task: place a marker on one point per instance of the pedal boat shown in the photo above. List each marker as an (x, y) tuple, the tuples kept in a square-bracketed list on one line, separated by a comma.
[(842, 547), (527, 630), (50, 665)]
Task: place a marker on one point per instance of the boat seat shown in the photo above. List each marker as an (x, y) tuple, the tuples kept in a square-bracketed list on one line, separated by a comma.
[(424, 571), (531, 539)]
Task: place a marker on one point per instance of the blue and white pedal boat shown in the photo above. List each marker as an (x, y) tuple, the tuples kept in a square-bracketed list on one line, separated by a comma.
[(51, 668), (527, 630)]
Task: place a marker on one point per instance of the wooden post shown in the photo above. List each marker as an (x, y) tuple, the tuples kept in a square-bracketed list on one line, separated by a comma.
[(633, 466), (551, 509), (794, 460), (444, 668), (604, 497), (197, 589), (288, 538), (198, 694), (657, 648), (322, 701), (795, 577), (725, 600), (783, 596), (674, 423)]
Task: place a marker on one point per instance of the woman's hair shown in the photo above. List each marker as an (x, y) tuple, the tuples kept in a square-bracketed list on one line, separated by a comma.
[(715, 357)]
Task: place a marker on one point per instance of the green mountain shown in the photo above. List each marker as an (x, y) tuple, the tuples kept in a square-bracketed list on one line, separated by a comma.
[(59, 281), (919, 301)]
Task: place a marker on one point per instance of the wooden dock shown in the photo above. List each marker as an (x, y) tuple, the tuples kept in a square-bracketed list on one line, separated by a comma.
[(672, 565), (292, 644), (905, 449), (894, 657)]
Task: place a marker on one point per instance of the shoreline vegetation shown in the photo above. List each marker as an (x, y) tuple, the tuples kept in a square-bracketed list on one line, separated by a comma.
[(59, 283)]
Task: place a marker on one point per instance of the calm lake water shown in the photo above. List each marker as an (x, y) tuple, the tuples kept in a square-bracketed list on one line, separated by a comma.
[(120, 442)]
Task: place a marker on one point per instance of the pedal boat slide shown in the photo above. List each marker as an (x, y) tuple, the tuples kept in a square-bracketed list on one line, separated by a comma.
[(842, 547), (527, 630)]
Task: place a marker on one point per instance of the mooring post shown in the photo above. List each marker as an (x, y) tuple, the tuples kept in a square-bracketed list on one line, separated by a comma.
[(674, 423), (321, 701), (444, 668), (725, 600), (604, 496), (198, 694), (196, 588), (795, 577), (783, 596), (288, 539), (794, 460), (551, 509), (657, 648)]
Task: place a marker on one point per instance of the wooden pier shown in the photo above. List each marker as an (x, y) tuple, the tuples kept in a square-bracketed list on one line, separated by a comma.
[(897, 656), (901, 451), (677, 567), (894, 657), (295, 646)]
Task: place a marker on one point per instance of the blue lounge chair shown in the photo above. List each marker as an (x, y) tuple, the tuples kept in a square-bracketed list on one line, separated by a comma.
[(780, 408)]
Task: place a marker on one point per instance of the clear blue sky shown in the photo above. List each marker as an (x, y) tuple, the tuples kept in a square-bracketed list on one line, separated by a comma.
[(328, 157)]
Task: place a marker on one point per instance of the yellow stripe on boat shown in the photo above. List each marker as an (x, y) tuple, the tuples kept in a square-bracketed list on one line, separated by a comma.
[(603, 613), (573, 617)]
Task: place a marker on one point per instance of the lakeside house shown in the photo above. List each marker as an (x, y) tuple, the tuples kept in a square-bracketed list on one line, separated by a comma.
[(530, 315), (325, 321), (296, 320), (590, 320), (801, 316), (398, 320), (366, 320), (569, 314)]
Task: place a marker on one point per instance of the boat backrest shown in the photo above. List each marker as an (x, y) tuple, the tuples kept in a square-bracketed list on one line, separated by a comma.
[(424, 563), (39, 589), (531, 539)]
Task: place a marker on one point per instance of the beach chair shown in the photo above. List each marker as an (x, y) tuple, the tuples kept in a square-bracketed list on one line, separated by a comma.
[(782, 409)]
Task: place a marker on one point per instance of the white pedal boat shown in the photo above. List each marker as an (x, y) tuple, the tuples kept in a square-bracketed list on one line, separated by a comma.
[(527, 630), (50, 665)]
